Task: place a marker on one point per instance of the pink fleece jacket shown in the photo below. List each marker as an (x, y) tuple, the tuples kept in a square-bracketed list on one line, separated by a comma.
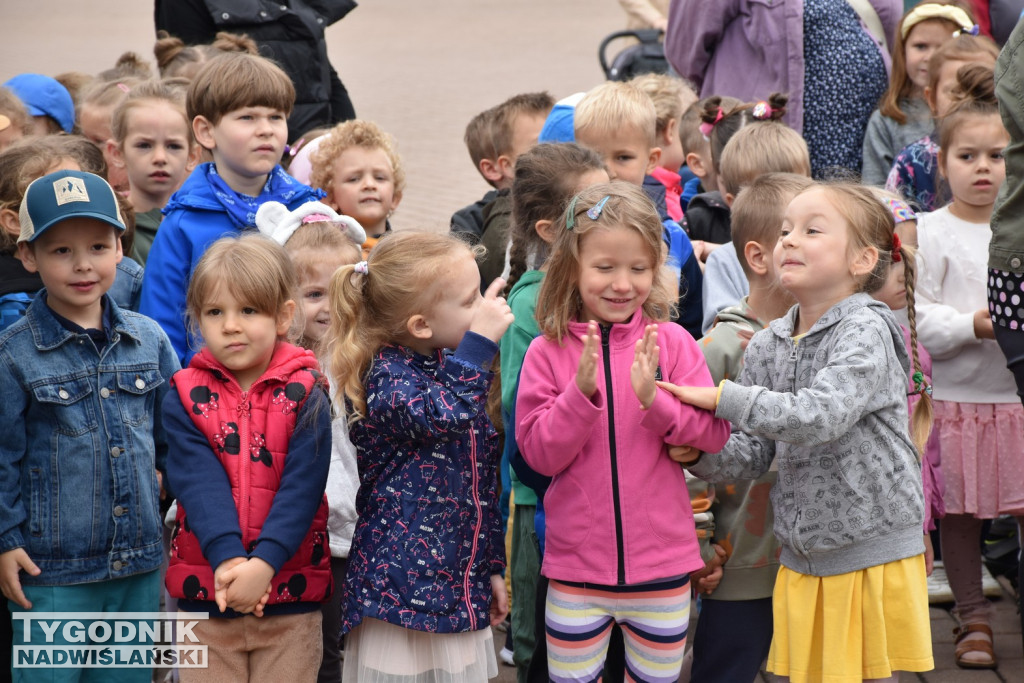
[(618, 512)]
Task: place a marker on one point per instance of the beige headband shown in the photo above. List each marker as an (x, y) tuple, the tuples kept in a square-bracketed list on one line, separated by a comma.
[(932, 11)]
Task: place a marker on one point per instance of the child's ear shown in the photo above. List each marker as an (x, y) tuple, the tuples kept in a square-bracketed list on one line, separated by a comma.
[(670, 132), (418, 327), (545, 230), (729, 198), (757, 257), (114, 153), (284, 317), (28, 257), (695, 163), (490, 169), (10, 222), (653, 159), (202, 129), (865, 261)]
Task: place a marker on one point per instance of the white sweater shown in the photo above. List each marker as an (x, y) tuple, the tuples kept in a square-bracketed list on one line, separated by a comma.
[(342, 486), (952, 281)]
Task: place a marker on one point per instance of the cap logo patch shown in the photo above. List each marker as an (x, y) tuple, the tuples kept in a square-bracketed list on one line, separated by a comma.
[(67, 190)]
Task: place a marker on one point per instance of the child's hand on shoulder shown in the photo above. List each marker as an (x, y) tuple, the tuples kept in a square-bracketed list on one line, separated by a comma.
[(586, 374), (499, 599), (645, 364), (705, 398), (493, 315), (12, 563)]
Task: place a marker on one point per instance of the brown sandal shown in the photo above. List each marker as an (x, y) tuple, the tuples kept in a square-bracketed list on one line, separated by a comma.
[(983, 645)]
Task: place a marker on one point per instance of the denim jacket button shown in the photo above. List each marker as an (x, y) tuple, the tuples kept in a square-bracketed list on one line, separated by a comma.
[(117, 566), (63, 394), (118, 511), (140, 383), (104, 393), (115, 451)]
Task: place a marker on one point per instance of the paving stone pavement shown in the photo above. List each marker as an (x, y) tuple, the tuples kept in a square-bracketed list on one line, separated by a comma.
[(422, 70)]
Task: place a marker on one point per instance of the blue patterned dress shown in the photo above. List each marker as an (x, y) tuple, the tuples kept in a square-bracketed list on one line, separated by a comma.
[(844, 78)]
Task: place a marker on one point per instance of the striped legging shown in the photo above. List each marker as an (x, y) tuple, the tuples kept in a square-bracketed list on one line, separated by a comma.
[(654, 618)]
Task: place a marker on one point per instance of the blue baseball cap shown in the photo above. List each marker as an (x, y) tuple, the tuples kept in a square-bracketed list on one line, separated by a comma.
[(559, 126), (45, 96), (62, 195)]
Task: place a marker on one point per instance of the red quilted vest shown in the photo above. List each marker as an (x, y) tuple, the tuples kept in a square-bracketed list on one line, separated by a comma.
[(250, 432)]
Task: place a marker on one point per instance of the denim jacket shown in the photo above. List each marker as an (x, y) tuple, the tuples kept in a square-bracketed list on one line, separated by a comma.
[(82, 443)]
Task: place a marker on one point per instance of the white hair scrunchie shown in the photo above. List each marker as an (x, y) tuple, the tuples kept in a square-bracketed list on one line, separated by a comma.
[(362, 268)]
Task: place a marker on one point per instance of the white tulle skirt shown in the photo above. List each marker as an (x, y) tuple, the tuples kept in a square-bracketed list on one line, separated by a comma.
[(379, 652)]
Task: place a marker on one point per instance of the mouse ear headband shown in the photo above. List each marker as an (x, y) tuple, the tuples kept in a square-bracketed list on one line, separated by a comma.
[(278, 223)]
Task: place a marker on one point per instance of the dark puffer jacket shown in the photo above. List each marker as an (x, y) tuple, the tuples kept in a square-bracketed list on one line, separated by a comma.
[(290, 32)]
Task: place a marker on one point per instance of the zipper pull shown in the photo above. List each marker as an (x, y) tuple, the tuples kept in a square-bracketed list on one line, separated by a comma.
[(606, 333)]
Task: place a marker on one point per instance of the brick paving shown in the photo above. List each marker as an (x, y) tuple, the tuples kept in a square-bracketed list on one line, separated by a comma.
[(422, 70)]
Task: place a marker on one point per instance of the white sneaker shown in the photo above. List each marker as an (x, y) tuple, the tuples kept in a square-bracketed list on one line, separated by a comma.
[(989, 585), (506, 657), (938, 585)]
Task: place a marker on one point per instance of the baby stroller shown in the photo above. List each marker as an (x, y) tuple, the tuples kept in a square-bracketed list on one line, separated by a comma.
[(647, 56)]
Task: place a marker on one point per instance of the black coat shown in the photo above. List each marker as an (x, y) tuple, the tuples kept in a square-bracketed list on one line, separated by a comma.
[(290, 32)]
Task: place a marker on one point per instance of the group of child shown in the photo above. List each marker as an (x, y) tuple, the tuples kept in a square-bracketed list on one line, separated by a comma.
[(322, 408)]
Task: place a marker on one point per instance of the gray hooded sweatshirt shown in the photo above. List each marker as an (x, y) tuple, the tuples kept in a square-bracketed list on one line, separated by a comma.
[(830, 409)]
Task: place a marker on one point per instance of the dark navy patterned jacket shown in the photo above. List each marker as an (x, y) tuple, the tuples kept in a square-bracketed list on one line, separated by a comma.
[(429, 533)]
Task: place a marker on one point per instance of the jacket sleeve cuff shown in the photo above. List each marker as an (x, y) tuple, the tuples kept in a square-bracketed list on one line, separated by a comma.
[(732, 400), (476, 350), (272, 553), (961, 329), (11, 540), (224, 548)]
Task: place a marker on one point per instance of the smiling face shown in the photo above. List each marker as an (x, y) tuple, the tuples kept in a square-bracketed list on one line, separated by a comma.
[(973, 164), (812, 257), (924, 39), (363, 187), (77, 261), (616, 274), (155, 153), (246, 143), (239, 336)]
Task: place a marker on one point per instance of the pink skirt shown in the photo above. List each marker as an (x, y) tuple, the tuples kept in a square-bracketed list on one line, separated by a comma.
[(982, 451)]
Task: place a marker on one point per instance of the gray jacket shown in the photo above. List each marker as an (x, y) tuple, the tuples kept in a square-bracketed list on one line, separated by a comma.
[(831, 411)]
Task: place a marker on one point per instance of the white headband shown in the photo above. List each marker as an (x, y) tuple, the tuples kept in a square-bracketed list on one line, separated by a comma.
[(278, 223)]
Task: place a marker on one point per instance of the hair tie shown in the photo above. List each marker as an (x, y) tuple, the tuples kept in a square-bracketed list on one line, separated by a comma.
[(123, 87), (762, 111), (706, 128), (292, 150), (362, 268), (920, 386), (950, 13), (972, 31), (896, 246)]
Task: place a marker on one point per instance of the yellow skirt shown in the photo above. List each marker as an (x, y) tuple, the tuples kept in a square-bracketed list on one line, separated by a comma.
[(851, 627)]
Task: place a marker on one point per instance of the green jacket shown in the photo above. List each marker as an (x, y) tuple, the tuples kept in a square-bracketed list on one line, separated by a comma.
[(1006, 250), (514, 343)]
